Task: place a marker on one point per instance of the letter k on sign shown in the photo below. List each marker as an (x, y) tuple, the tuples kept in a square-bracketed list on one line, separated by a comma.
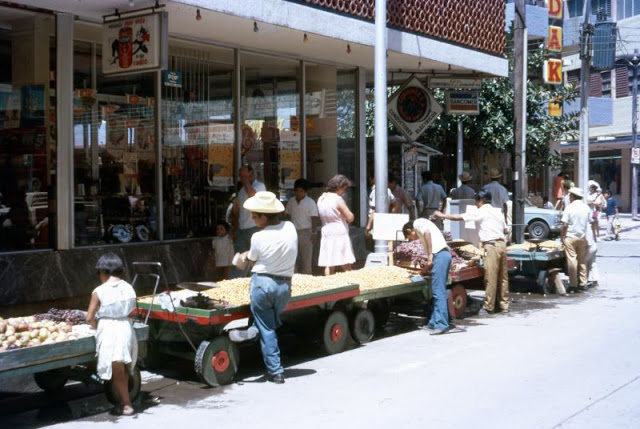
[(553, 71)]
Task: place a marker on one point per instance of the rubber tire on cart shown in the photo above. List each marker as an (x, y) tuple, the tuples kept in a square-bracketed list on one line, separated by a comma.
[(216, 361), (543, 282), (334, 332), (380, 309), (363, 325), (135, 381), (457, 300), (52, 380)]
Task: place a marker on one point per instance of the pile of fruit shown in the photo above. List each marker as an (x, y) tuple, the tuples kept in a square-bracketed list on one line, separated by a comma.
[(29, 331)]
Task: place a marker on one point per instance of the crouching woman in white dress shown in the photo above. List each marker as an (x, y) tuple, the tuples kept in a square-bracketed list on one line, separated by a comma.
[(116, 344)]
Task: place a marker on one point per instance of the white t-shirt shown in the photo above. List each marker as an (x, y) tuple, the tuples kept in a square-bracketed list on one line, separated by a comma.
[(576, 215), (274, 250), (222, 250), (421, 225), (302, 212), (244, 218), (489, 222), (372, 196)]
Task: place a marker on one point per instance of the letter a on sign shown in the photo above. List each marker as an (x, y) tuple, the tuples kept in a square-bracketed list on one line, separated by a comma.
[(554, 43), (553, 72), (554, 7)]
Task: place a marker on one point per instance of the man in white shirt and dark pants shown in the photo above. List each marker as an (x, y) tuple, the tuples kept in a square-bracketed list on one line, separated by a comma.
[(575, 227), (492, 228), (303, 212)]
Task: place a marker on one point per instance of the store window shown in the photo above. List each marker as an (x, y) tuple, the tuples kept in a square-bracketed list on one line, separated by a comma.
[(114, 153), (271, 120), (605, 168), (198, 140), (27, 129)]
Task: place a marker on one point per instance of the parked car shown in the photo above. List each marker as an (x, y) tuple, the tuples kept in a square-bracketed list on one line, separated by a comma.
[(541, 222)]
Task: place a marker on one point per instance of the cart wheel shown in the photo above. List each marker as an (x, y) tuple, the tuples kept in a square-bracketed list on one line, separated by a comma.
[(363, 326), (216, 361), (457, 300), (135, 381), (334, 332), (52, 380), (380, 310), (543, 282)]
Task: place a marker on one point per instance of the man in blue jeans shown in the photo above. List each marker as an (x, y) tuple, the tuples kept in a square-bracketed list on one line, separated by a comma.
[(273, 253), (438, 262)]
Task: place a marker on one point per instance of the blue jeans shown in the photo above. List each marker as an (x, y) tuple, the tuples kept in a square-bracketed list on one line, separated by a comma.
[(269, 297), (439, 273)]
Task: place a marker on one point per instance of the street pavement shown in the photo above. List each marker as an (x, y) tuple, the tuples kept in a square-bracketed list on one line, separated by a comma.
[(553, 362)]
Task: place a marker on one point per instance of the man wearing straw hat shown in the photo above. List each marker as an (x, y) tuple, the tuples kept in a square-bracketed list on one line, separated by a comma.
[(499, 194), (575, 227), (464, 191), (273, 254)]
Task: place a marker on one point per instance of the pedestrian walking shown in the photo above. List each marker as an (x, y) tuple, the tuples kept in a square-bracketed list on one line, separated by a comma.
[(437, 266), (492, 229), (557, 191), (336, 249), (116, 343), (430, 198), (613, 216), (596, 202), (575, 227), (464, 191), (273, 255), (303, 212)]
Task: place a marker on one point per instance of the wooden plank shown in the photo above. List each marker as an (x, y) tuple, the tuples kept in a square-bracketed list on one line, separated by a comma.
[(390, 291)]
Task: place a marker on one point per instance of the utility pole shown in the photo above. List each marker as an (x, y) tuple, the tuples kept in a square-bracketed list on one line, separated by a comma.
[(380, 125), (585, 72), (520, 119)]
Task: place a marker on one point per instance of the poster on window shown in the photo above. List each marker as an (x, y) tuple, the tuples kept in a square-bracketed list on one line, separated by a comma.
[(220, 156), (290, 158), (135, 44), (145, 140), (116, 135)]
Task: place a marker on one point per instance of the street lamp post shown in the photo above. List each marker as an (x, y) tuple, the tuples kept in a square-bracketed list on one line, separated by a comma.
[(633, 62)]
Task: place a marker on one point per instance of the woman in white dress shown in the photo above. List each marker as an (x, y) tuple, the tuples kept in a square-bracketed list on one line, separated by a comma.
[(335, 247), (116, 344)]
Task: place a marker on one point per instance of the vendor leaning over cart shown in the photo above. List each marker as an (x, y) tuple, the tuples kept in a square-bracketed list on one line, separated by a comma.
[(438, 263), (116, 344), (492, 228), (273, 254)]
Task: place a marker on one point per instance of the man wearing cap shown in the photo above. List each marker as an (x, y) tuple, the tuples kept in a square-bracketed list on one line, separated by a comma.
[(492, 228), (430, 198), (464, 191), (575, 227), (273, 254), (499, 194)]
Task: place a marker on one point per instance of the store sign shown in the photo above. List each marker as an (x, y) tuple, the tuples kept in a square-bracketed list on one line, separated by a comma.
[(554, 42), (555, 109), (290, 158), (462, 103), (554, 7), (635, 155), (412, 109), (455, 83), (172, 78), (552, 72), (135, 44)]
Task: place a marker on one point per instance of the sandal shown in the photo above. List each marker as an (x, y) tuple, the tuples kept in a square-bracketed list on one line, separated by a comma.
[(127, 412)]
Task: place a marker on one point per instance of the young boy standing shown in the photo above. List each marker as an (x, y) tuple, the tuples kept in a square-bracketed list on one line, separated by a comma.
[(222, 250), (612, 216)]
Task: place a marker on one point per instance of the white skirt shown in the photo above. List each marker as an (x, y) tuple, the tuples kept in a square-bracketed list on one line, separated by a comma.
[(115, 342)]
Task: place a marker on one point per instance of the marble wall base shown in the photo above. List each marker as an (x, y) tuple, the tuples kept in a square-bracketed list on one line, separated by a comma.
[(31, 277)]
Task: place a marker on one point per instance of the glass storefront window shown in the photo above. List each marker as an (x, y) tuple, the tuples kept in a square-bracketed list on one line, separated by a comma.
[(27, 130), (198, 140), (114, 153), (271, 114)]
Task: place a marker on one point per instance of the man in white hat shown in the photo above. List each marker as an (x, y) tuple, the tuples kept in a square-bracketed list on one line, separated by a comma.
[(464, 191), (499, 194), (575, 227), (273, 253)]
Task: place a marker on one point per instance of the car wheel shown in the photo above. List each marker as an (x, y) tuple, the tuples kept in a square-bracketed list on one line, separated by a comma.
[(538, 229)]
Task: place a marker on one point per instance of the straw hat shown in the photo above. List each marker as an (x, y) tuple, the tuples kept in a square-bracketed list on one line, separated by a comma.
[(465, 176), (264, 202), (578, 192), (494, 173)]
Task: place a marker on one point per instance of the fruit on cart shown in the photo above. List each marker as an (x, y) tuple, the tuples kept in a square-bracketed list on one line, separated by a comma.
[(30, 331)]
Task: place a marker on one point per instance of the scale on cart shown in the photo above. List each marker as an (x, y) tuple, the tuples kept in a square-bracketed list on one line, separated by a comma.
[(386, 226)]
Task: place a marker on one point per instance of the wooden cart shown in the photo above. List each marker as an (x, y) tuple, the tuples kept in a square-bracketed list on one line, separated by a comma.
[(534, 266), (52, 365)]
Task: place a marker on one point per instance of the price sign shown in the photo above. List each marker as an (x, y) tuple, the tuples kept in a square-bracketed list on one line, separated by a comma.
[(635, 155)]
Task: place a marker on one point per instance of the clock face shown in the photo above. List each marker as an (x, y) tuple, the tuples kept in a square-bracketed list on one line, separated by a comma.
[(413, 104)]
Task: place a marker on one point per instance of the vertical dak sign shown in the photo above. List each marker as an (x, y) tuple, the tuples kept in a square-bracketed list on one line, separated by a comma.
[(412, 108), (135, 44)]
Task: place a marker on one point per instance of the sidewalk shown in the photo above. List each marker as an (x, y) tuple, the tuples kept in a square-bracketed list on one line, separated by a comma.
[(630, 228)]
